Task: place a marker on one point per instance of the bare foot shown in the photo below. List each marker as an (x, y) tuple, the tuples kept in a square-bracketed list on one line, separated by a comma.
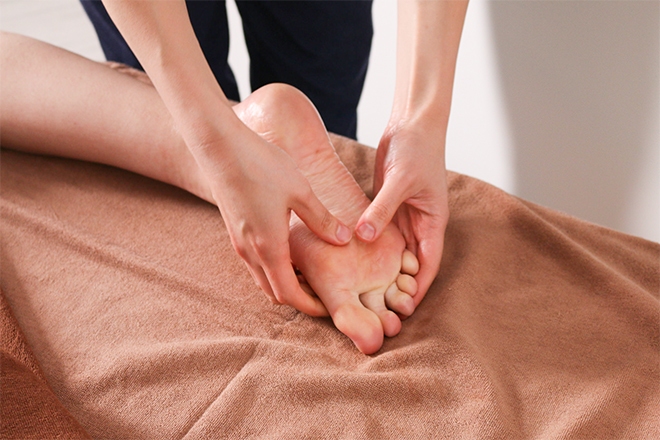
[(363, 285)]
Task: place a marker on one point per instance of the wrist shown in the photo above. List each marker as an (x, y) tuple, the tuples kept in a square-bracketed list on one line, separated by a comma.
[(431, 125), (211, 130), (423, 96), (420, 142)]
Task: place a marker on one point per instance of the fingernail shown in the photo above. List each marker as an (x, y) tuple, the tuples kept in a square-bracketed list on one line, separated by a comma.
[(343, 233), (366, 231)]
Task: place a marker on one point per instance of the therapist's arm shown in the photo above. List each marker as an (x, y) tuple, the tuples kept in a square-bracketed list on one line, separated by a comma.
[(254, 183), (410, 176)]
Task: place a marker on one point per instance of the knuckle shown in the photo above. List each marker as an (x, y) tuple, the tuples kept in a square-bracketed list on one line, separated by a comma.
[(305, 193), (270, 250), (327, 221), (261, 246), (279, 297), (380, 213), (241, 250), (239, 237)]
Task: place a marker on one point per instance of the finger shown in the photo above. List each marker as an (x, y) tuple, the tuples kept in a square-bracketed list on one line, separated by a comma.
[(379, 213), (306, 287), (402, 220), (320, 221), (287, 290), (429, 256), (261, 280)]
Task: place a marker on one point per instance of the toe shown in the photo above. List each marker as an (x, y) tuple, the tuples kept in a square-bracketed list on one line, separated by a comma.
[(398, 301), (361, 326), (390, 322), (409, 263), (407, 284), (354, 320)]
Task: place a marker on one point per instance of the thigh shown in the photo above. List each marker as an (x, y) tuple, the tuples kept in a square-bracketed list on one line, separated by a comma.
[(209, 20), (320, 47)]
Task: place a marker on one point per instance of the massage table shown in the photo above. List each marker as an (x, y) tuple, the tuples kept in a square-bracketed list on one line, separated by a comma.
[(126, 314)]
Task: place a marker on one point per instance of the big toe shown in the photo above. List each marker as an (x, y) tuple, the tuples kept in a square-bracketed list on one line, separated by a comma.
[(360, 325), (375, 302)]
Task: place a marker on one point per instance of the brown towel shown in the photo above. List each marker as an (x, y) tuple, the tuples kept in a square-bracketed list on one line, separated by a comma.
[(145, 323), (28, 407)]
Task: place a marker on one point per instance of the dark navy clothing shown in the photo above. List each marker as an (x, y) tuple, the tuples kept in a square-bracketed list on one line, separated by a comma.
[(319, 47)]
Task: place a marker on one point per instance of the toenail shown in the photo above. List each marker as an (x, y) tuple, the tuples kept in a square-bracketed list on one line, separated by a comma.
[(366, 231), (343, 234)]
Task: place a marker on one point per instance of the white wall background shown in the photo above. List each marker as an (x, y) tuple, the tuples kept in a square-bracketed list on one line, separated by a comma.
[(554, 101)]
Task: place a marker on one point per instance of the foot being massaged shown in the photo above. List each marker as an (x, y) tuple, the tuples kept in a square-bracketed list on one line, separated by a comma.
[(58, 103)]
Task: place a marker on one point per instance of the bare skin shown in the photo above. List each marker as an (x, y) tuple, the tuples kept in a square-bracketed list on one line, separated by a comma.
[(363, 285)]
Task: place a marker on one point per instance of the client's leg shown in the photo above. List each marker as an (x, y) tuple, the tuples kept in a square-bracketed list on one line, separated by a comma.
[(357, 282), (58, 103)]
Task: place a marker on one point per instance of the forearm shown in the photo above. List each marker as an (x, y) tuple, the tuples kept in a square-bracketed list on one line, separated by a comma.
[(429, 33), (161, 36)]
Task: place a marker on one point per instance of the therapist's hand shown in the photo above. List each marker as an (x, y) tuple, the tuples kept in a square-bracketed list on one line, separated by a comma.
[(411, 188), (256, 185), (410, 180)]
